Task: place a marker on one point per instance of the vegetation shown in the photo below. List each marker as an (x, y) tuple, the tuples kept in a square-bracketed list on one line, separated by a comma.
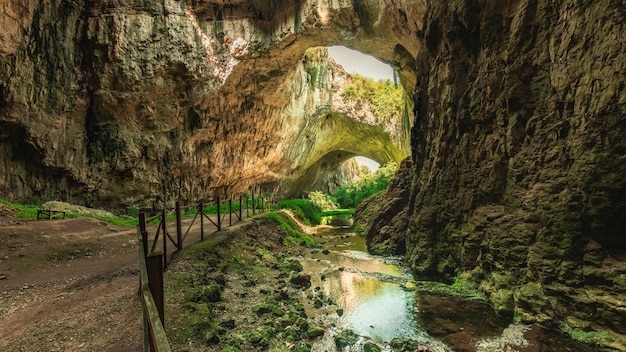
[(29, 211), (353, 194), (323, 200), (23, 211), (338, 212), (237, 291), (313, 72), (461, 287), (305, 209), (287, 224), (589, 337), (386, 100)]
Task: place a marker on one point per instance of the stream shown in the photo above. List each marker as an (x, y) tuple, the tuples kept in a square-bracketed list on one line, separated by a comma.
[(370, 296)]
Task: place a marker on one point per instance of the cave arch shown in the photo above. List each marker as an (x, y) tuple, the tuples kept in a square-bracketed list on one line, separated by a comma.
[(151, 68)]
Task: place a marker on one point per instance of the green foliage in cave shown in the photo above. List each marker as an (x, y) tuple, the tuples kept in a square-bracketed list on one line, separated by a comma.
[(387, 100), (306, 210), (324, 201), (351, 195)]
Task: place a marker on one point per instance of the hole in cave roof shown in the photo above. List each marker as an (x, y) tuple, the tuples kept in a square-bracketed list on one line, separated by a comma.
[(354, 61)]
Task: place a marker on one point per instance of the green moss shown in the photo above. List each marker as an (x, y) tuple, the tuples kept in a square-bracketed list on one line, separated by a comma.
[(371, 347), (288, 226), (314, 331), (346, 338), (589, 337), (313, 72), (305, 209), (460, 288)]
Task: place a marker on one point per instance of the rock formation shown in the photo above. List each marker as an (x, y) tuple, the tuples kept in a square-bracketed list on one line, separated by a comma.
[(519, 157), (518, 143), (131, 102)]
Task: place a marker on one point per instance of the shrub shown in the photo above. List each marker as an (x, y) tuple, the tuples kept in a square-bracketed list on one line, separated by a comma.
[(353, 194), (386, 100), (310, 213)]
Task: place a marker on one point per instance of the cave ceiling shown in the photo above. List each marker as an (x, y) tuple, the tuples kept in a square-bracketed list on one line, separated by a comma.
[(132, 102)]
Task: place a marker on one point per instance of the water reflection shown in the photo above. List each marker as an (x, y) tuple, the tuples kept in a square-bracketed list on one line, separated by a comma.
[(366, 287), (383, 312)]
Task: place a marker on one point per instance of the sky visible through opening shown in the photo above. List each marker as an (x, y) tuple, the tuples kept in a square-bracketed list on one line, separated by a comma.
[(365, 65)]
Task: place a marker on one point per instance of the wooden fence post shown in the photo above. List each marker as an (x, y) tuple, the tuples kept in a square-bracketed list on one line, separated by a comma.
[(179, 227), (219, 214), (142, 230), (240, 211), (253, 205), (164, 228), (230, 212), (154, 265), (201, 210)]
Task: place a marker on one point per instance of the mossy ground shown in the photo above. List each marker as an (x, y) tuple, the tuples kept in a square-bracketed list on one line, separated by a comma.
[(236, 292)]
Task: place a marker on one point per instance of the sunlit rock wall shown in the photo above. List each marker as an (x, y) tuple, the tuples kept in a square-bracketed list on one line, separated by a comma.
[(519, 157), (138, 102)]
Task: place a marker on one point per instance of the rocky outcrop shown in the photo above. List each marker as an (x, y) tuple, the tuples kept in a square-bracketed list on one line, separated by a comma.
[(519, 154), (518, 142), (132, 102)]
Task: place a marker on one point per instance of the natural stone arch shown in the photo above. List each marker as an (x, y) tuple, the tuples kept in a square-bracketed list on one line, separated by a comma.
[(335, 138), (149, 104)]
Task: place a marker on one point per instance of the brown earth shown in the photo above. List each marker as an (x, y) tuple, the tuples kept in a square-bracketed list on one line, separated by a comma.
[(68, 285), (72, 284)]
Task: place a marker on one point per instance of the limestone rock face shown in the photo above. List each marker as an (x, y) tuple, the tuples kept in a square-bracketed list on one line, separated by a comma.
[(519, 154), (137, 102)]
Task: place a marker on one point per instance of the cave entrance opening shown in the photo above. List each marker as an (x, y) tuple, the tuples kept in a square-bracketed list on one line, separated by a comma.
[(363, 161), (354, 61), (361, 120)]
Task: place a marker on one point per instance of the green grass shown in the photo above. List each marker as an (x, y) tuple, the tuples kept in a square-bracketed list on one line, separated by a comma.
[(29, 211), (23, 211), (309, 213), (287, 224), (349, 211)]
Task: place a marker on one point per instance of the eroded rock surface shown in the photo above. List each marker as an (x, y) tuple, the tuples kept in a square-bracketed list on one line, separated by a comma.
[(519, 154), (134, 102)]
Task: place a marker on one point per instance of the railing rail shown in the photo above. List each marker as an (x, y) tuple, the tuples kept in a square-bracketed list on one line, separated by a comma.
[(153, 263), (153, 318)]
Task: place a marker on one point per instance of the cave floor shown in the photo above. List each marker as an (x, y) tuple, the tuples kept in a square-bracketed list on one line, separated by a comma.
[(68, 285)]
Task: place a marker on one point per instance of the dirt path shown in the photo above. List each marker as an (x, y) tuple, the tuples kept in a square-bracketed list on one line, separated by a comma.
[(71, 284), (68, 285)]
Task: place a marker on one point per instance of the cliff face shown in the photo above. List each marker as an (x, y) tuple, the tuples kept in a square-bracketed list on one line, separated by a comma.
[(518, 144), (132, 102), (519, 152)]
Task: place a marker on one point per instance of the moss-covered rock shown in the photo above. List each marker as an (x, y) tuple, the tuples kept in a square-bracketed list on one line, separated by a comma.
[(371, 347), (346, 338), (315, 331)]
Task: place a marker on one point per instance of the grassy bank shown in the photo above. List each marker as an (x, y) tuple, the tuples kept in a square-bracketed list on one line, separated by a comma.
[(237, 290)]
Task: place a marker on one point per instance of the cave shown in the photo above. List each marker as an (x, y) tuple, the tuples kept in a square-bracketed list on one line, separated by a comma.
[(511, 147)]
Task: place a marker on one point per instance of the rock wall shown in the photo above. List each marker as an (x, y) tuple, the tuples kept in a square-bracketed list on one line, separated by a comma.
[(519, 152), (138, 102)]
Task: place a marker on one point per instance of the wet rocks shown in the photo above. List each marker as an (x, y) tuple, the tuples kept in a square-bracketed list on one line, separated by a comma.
[(302, 281), (346, 338), (511, 182)]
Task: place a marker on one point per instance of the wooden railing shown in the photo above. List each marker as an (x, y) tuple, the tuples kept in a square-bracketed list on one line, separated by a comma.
[(154, 262), (154, 336)]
